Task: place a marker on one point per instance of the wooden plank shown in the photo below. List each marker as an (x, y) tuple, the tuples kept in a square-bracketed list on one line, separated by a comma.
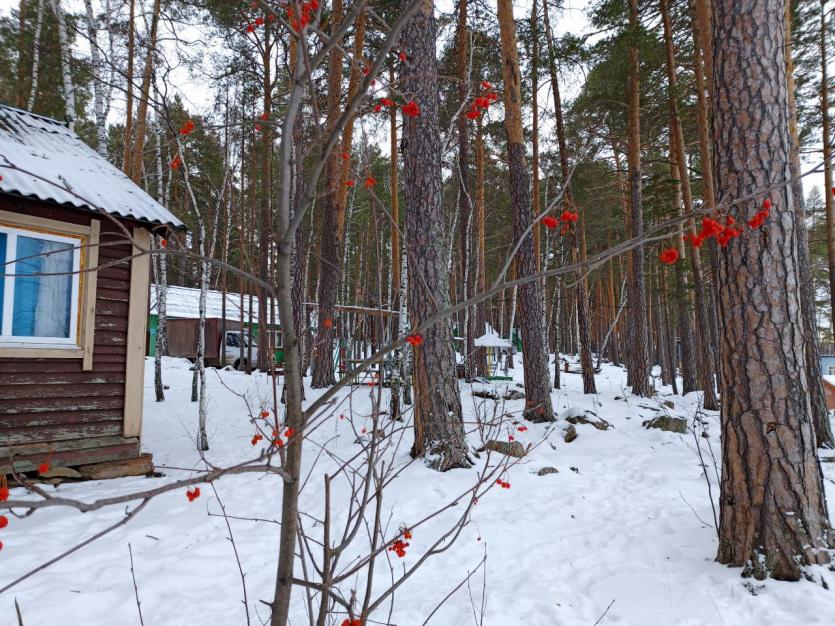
[(116, 308), (40, 405), (111, 285), (116, 272), (42, 223), (140, 281), (62, 432), (22, 392), (22, 420), (27, 461), (112, 322), (41, 353), (111, 338), (64, 446), (88, 302), (60, 378), (108, 293)]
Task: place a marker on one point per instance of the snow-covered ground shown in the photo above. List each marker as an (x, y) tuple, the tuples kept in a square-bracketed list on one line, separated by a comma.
[(626, 523)]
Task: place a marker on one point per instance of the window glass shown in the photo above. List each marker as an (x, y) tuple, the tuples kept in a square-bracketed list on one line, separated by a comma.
[(233, 340), (43, 288)]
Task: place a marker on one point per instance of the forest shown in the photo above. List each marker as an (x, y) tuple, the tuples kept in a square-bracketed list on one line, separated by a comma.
[(417, 312)]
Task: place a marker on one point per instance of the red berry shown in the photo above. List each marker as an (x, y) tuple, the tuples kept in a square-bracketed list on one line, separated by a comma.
[(4, 521)]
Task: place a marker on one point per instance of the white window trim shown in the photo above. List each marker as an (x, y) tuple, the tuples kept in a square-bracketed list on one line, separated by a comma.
[(6, 316), (89, 234)]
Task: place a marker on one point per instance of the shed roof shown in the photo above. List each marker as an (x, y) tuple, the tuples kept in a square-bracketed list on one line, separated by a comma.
[(184, 302), (36, 149), (491, 339)]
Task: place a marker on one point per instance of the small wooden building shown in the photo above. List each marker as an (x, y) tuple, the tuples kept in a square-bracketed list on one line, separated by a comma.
[(73, 298), (182, 313)]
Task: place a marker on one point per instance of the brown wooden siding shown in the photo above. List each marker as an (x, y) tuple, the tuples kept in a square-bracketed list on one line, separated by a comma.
[(52, 407)]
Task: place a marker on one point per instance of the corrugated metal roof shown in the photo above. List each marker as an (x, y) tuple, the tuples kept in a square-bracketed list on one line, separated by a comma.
[(77, 174), (184, 302)]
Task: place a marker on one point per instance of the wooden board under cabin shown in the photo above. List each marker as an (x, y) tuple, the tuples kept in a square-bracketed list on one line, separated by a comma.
[(52, 408)]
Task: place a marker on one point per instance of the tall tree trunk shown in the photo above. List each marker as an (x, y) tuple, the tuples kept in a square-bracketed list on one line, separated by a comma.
[(481, 257), (465, 204), (704, 358), (683, 298), (22, 17), (829, 203), (128, 138), (138, 146), (586, 363), (265, 221), (773, 516), (98, 84), (820, 413), (439, 430), (534, 354), (330, 244), (638, 363), (66, 70), (36, 57)]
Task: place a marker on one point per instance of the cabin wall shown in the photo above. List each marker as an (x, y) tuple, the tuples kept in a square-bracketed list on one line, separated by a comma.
[(53, 407)]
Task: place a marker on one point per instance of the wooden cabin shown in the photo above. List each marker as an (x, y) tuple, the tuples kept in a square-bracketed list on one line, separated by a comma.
[(73, 300)]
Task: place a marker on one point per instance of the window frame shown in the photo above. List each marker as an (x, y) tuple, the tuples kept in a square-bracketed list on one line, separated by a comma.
[(13, 234), (83, 307)]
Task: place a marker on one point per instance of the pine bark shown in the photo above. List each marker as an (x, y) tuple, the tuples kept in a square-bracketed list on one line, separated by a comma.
[(638, 361), (704, 358), (330, 245), (820, 412), (773, 516), (828, 194), (532, 323), (439, 429)]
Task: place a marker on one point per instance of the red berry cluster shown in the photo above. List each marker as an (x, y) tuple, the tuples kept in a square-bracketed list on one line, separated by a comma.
[(723, 233), (193, 494), (411, 109), (187, 128), (566, 218), (351, 622), (307, 11), (414, 340), (482, 103), (502, 483), (399, 546)]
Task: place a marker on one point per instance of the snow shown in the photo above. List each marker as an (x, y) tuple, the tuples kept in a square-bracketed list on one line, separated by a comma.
[(625, 522)]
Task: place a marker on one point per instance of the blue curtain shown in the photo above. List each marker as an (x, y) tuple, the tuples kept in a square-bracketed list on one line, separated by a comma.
[(42, 304), (4, 269)]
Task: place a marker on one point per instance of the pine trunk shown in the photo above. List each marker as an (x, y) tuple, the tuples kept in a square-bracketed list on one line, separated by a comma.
[(638, 361), (330, 246), (820, 413), (439, 429), (773, 516), (704, 357), (534, 354)]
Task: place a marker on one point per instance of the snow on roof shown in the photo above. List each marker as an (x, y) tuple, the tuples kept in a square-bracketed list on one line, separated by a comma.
[(184, 302), (49, 151), (491, 339)]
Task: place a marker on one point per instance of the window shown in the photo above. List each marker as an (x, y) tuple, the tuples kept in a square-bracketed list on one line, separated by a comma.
[(277, 340), (831, 370), (39, 288)]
